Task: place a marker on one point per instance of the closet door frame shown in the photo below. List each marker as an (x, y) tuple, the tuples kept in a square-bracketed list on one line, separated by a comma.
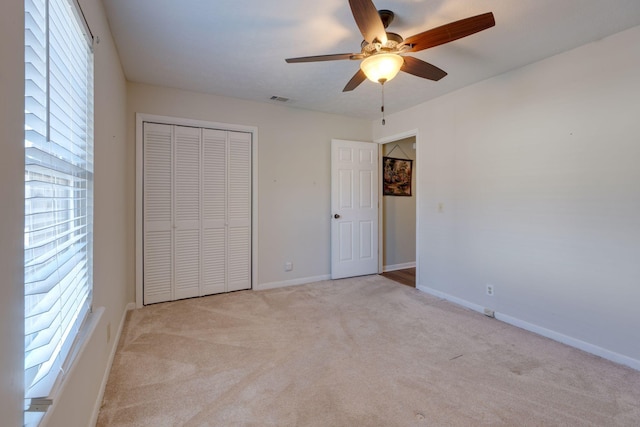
[(141, 118)]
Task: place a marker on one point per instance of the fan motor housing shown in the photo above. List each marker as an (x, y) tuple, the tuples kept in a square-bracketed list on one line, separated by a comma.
[(393, 40)]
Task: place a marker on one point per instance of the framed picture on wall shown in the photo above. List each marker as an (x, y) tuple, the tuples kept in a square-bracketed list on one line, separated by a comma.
[(396, 176)]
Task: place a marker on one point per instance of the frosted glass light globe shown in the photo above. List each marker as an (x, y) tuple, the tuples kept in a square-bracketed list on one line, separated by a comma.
[(381, 67)]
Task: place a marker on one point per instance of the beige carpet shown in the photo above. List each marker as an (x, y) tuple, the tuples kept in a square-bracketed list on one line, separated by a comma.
[(355, 352)]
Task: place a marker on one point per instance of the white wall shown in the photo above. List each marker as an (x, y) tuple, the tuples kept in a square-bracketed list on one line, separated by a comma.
[(294, 154), (399, 213), (11, 211), (538, 172), (113, 246)]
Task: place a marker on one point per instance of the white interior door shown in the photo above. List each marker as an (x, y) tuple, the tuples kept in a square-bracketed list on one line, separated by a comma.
[(157, 213), (197, 195), (239, 212), (226, 230), (214, 229), (354, 208), (186, 212), (195, 188)]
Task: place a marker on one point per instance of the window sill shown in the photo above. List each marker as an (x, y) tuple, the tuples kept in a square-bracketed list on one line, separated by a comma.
[(36, 412)]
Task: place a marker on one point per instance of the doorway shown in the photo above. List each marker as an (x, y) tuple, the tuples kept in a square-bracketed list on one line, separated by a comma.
[(398, 219)]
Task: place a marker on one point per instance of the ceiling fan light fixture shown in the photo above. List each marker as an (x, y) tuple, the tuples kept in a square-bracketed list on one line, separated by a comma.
[(381, 67)]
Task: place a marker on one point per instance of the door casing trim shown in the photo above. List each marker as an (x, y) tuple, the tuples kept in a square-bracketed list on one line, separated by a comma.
[(178, 121)]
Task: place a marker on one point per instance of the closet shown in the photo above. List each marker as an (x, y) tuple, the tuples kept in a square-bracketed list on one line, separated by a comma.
[(196, 207)]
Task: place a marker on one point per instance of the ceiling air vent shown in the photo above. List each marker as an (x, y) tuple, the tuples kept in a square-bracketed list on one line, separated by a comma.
[(279, 99)]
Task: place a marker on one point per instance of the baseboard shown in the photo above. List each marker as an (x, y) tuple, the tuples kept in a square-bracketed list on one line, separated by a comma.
[(570, 341), (451, 298), (112, 355), (293, 282), (395, 267), (548, 333)]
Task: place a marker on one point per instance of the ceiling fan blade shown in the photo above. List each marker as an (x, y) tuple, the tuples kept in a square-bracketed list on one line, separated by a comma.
[(318, 58), (355, 81), (450, 32), (419, 68), (368, 20)]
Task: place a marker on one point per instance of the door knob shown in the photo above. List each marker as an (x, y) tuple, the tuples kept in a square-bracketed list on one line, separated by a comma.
[(336, 216)]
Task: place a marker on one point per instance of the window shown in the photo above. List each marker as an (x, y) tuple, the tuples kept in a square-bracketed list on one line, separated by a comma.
[(58, 225)]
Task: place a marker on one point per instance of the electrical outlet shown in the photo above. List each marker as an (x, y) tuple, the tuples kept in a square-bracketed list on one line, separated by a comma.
[(490, 290), (288, 266)]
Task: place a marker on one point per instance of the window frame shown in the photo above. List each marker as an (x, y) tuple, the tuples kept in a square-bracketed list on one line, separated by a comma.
[(59, 188)]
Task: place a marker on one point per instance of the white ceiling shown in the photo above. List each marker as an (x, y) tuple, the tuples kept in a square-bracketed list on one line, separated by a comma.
[(237, 48)]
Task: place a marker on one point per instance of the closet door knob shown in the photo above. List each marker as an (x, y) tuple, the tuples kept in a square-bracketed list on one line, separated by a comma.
[(336, 216)]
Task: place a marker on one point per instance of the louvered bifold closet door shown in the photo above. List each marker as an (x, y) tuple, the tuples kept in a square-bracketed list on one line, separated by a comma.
[(157, 211), (214, 191), (239, 212), (187, 211), (197, 212)]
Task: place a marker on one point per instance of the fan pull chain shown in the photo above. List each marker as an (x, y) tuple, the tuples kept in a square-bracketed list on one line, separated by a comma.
[(382, 108)]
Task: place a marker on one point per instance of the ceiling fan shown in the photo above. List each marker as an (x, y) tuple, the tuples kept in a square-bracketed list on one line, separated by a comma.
[(383, 53)]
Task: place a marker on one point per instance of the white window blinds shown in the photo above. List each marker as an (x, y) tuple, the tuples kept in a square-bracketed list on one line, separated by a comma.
[(58, 186)]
